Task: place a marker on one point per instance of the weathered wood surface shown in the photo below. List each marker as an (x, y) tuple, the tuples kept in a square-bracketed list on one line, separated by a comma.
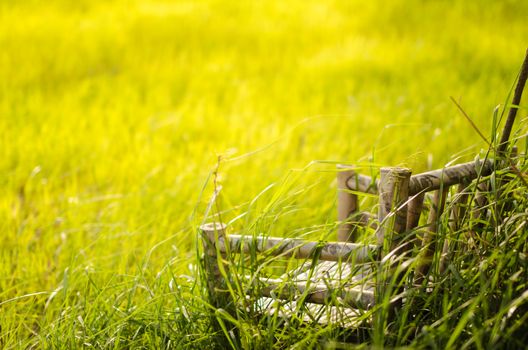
[(414, 210), (366, 219), (354, 221), (363, 183), (478, 213), (347, 206), (319, 293), (326, 282), (313, 313), (212, 233), (299, 248), (457, 211), (392, 214), (456, 174), (393, 197), (459, 206), (428, 181), (427, 251)]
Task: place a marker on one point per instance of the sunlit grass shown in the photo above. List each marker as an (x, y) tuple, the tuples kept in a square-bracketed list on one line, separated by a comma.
[(113, 115)]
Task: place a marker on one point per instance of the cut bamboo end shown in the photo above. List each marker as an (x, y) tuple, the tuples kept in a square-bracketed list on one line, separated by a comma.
[(393, 171), (211, 233), (213, 227), (393, 195)]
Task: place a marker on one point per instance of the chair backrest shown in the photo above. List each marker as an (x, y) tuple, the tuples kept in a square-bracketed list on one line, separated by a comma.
[(401, 200)]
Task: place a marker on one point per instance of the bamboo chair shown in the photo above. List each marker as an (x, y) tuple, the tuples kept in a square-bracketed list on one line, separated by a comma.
[(336, 281)]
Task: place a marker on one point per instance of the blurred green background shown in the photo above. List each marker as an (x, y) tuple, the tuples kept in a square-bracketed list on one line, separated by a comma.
[(114, 113)]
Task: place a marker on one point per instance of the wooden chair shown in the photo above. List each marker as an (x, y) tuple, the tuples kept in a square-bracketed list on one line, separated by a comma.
[(337, 280)]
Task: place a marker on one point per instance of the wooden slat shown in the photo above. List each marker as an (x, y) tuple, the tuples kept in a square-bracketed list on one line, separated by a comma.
[(300, 249), (428, 181), (443, 178), (318, 293), (322, 314)]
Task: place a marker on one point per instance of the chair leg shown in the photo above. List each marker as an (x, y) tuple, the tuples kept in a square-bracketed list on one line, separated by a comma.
[(458, 211), (347, 206), (428, 240), (215, 281), (414, 212), (392, 215), (477, 212)]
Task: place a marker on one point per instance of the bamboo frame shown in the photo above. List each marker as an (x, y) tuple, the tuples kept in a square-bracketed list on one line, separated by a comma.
[(431, 180), (363, 183), (427, 252), (347, 205), (211, 234), (459, 206), (414, 211), (457, 212), (299, 248), (446, 177), (318, 293), (392, 213), (401, 200), (478, 211)]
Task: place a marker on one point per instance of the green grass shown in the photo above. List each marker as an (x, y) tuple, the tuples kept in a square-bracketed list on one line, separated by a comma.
[(113, 115)]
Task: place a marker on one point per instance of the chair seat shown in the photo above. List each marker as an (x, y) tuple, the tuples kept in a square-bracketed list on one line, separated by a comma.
[(309, 313), (327, 292)]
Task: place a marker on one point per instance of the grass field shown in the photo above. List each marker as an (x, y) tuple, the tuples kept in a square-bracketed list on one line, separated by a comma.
[(114, 115)]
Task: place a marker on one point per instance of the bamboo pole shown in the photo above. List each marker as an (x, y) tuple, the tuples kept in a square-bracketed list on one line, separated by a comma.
[(347, 206), (318, 293), (505, 205), (478, 211), (459, 206), (427, 251), (392, 213), (523, 75), (363, 183), (366, 219), (443, 178), (457, 212), (212, 234), (298, 248), (428, 181), (414, 211)]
